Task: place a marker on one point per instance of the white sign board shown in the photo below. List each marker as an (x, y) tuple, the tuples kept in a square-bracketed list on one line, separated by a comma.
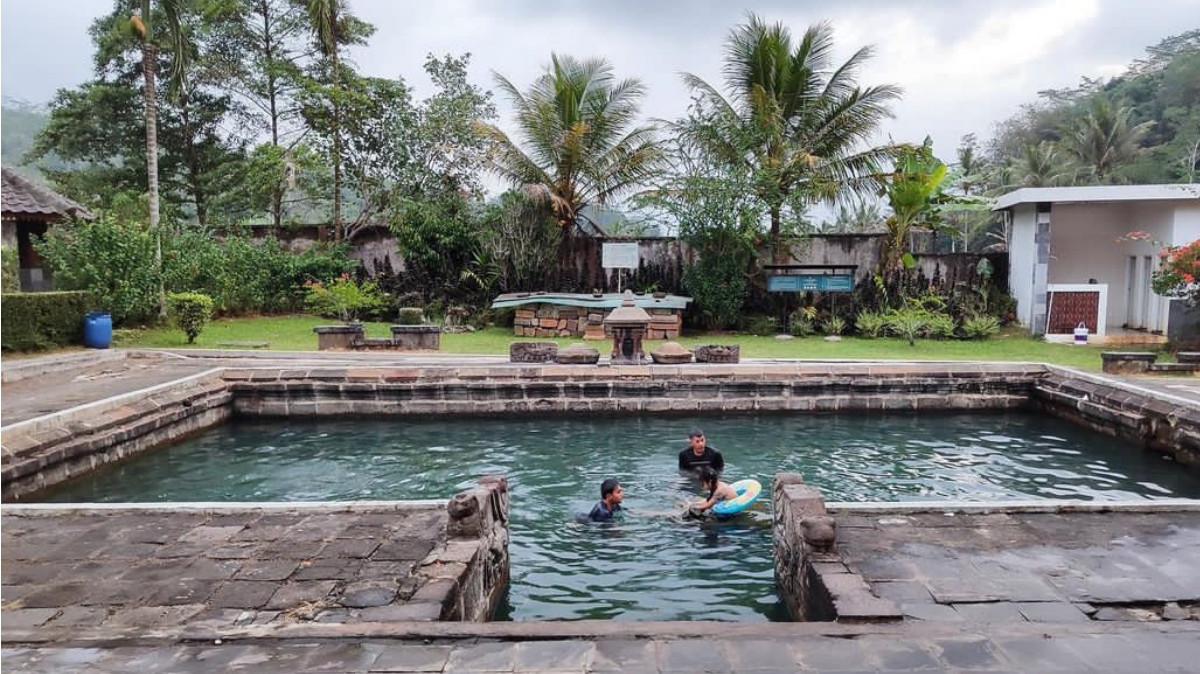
[(619, 256)]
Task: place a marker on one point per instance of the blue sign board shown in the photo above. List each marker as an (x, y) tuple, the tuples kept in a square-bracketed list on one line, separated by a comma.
[(801, 283)]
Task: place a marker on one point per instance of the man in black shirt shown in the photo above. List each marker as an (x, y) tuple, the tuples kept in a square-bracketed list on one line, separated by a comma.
[(611, 495), (698, 454)]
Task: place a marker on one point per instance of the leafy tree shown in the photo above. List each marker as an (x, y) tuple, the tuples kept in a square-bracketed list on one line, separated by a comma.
[(580, 143), (795, 121), (915, 190)]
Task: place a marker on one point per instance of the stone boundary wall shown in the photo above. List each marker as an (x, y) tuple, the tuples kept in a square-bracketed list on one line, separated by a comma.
[(45, 451), (566, 389), (814, 582), (560, 320), (1155, 419)]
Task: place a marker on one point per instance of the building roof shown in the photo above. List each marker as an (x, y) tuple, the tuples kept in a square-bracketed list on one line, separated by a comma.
[(596, 300), (1098, 194), (24, 199)]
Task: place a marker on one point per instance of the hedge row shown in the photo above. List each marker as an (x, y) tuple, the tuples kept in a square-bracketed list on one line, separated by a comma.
[(42, 320)]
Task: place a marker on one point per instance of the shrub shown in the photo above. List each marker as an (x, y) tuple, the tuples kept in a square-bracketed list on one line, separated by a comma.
[(191, 312), (410, 316), (939, 325), (42, 320), (111, 260), (871, 324), (980, 327), (834, 325), (344, 298), (802, 322), (908, 323), (10, 270), (760, 326), (718, 288)]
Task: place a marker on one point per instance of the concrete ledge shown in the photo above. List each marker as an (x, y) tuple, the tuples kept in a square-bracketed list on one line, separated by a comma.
[(1046, 506), (36, 367)]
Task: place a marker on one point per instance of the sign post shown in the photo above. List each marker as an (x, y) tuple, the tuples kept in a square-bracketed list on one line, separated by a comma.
[(805, 278), (619, 256)]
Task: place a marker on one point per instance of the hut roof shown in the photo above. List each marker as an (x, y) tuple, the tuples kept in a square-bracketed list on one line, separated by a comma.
[(24, 199)]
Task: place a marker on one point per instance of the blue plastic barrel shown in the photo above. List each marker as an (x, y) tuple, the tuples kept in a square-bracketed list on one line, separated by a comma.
[(97, 330)]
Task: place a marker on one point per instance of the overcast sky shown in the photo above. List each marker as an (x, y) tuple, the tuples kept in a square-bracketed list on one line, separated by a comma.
[(963, 65)]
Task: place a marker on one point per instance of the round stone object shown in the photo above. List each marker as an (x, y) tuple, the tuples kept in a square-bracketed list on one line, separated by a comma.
[(671, 353), (578, 354)]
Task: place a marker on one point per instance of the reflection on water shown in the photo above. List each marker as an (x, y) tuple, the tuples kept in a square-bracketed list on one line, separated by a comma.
[(653, 565)]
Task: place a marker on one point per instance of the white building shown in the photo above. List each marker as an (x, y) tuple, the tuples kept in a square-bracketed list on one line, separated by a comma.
[(1071, 259)]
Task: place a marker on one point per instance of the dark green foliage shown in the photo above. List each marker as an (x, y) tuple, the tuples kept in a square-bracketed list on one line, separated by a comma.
[(871, 324), (43, 320), (980, 327), (759, 325), (190, 312), (718, 286), (10, 270), (111, 259)]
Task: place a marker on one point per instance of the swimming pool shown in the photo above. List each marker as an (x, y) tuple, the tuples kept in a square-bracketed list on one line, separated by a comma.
[(652, 566)]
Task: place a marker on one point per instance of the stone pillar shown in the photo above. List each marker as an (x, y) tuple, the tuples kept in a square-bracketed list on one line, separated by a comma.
[(331, 337), (417, 337)]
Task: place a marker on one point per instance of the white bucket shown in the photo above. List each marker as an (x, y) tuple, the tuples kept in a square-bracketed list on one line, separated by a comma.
[(1081, 334)]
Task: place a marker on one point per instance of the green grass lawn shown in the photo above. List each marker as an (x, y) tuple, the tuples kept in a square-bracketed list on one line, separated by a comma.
[(294, 333)]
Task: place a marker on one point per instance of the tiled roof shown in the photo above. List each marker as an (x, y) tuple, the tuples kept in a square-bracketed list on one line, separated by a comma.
[(24, 198)]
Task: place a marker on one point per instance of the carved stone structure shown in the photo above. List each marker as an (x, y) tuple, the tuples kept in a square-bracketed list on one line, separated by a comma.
[(338, 337), (628, 324), (532, 352), (718, 353), (468, 575), (417, 337)]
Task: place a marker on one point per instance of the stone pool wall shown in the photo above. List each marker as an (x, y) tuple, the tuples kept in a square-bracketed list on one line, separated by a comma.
[(45, 451)]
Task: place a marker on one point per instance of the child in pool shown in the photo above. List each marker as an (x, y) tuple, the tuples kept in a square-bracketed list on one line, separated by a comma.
[(717, 490)]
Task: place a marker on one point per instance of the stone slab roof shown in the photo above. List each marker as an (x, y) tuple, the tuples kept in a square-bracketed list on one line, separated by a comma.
[(25, 199)]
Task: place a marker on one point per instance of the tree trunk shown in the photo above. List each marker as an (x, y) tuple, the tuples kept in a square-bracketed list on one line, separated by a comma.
[(193, 159), (338, 234), (776, 228), (272, 95), (149, 64)]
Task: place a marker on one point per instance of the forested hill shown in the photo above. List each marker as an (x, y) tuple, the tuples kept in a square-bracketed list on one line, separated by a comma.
[(20, 123), (1140, 127)]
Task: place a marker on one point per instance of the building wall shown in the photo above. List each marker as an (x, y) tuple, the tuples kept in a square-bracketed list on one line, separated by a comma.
[(1088, 242), (1021, 257)]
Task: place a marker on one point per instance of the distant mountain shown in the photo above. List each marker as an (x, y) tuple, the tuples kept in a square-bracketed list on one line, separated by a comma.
[(20, 123)]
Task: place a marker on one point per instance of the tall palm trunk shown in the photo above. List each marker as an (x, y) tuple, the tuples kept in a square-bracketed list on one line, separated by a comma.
[(338, 230), (149, 67)]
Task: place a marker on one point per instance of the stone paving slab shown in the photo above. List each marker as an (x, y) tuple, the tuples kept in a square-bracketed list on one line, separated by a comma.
[(1041, 567), (152, 568), (1054, 649)]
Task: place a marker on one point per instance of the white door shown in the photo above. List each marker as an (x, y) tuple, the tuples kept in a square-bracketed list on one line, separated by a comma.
[(1131, 293)]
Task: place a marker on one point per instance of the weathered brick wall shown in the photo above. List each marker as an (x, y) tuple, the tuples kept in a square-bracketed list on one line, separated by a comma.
[(554, 320)]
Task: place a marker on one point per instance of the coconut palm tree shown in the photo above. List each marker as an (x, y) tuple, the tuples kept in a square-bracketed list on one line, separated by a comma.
[(176, 38), (326, 18), (1039, 165), (1104, 140), (797, 122), (581, 144)]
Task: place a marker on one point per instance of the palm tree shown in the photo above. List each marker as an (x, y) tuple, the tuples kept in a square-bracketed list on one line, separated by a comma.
[(326, 18), (180, 47), (793, 119), (1039, 165), (914, 191), (1104, 140), (581, 144)]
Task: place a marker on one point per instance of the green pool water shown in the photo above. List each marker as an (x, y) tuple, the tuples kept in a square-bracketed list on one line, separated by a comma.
[(653, 565)]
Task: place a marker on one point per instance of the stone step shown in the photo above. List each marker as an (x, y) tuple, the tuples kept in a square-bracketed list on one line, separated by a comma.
[(1188, 356), (1175, 367)]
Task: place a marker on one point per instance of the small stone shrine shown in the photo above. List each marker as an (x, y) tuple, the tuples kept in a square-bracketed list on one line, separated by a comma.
[(628, 324)]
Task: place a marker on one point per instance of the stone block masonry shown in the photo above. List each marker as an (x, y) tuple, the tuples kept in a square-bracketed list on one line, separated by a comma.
[(553, 320)]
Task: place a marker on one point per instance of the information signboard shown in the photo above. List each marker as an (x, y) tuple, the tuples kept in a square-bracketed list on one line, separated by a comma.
[(619, 256), (801, 283)]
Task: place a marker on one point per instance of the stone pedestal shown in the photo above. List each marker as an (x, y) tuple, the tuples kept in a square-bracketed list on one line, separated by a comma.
[(628, 324), (671, 353), (1127, 362), (417, 337), (335, 337)]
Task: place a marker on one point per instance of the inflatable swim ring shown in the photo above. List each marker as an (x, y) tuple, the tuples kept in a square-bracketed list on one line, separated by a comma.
[(747, 493)]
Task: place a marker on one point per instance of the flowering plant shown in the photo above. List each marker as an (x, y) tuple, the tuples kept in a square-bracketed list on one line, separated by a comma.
[(343, 298), (1178, 272)]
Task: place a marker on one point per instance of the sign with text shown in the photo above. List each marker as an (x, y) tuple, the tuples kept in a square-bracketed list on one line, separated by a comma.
[(619, 256), (802, 283)]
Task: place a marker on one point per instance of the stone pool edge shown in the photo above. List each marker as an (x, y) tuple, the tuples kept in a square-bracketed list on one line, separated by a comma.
[(41, 452)]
